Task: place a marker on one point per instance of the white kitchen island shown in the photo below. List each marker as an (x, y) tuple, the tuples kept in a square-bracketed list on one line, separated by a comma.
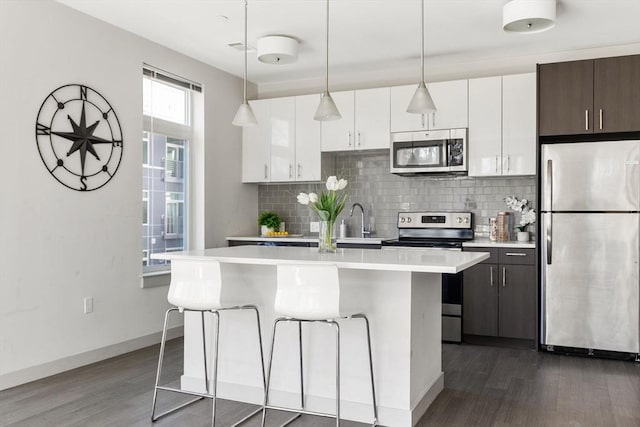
[(399, 289)]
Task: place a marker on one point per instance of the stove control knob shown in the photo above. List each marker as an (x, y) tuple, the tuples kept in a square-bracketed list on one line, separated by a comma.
[(459, 220), (409, 219), (402, 219), (466, 220)]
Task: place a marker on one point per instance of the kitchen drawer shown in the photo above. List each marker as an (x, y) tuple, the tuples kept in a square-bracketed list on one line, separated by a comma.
[(517, 256), (493, 257)]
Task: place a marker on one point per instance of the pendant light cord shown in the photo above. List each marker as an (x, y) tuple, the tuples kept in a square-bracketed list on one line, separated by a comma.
[(327, 51), (422, 42), (245, 51)]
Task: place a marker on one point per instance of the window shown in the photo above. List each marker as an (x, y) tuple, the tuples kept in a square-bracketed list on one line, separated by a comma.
[(167, 132)]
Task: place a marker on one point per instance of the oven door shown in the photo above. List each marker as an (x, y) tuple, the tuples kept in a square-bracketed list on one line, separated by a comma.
[(420, 152)]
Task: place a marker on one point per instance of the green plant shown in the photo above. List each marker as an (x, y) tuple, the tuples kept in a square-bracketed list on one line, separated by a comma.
[(269, 219)]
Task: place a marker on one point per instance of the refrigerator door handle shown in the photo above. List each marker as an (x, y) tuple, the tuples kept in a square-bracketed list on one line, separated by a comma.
[(548, 231), (549, 186)]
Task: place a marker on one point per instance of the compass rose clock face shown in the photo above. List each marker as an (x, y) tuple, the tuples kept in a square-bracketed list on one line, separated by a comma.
[(79, 137)]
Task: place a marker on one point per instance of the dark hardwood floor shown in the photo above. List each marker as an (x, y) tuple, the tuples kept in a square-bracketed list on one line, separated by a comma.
[(484, 386)]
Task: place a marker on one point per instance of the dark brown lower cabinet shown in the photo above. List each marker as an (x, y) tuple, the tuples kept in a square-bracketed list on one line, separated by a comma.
[(499, 295)]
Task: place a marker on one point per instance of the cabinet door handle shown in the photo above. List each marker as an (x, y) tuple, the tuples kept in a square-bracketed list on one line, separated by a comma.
[(265, 171), (586, 119), (504, 277), (508, 162), (349, 138), (601, 119), (491, 271), (290, 171), (422, 118), (515, 254), (359, 139), (496, 164), (434, 120), (299, 173)]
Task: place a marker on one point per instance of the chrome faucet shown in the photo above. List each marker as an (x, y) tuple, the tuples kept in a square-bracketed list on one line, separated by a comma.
[(363, 230)]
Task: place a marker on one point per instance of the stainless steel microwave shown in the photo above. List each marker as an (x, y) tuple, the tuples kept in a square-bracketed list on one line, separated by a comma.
[(438, 151)]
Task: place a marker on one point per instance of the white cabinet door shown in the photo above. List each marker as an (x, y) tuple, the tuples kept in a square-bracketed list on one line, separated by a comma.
[(519, 124), (451, 100), (372, 111), (402, 121), (485, 126), (256, 141), (337, 135), (307, 139), (283, 139)]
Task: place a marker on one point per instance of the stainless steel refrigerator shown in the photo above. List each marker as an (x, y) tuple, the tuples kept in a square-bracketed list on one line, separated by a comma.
[(589, 225)]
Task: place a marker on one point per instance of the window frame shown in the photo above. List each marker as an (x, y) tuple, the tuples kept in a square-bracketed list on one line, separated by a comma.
[(168, 129)]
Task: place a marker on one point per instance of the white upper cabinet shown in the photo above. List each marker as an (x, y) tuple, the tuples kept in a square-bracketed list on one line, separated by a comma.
[(364, 124), (372, 119), (256, 143), (502, 125), (283, 139), (338, 135), (307, 167), (485, 126), (519, 124), (450, 99)]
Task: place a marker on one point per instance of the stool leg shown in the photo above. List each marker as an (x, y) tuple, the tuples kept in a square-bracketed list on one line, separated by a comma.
[(214, 386), (337, 371), (301, 371), (373, 387), (204, 351), (160, 360), (266, 391)]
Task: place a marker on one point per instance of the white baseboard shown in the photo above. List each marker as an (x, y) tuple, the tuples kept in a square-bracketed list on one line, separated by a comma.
[(426, 399), (44, 370), (349, 410)]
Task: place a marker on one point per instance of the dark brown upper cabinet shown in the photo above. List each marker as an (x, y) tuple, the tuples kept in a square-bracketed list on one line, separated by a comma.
[(592, 96)]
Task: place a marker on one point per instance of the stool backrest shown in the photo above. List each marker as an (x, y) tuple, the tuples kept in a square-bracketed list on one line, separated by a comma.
[(308, 291), (195, 285)]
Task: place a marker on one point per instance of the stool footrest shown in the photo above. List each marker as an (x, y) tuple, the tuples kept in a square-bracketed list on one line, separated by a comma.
[(300, 411), (192, 393), (170, 411)]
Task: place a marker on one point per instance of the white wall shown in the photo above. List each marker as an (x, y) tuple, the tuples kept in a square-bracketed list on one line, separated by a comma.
[(58, 245)]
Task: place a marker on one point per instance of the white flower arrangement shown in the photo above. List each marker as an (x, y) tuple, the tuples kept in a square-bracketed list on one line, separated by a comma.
[(527, 214), (328, 205)]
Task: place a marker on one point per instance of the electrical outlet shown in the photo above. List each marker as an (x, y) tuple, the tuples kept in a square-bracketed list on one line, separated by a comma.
[(314, 227), (88, 305)]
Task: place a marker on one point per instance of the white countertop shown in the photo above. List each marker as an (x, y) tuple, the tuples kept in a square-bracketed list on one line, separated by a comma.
[(378, 240), (486, 243), (309, 239), (388, 259)]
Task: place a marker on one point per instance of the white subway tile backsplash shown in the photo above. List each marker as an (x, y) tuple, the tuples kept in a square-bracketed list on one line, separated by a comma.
[(383, 194)]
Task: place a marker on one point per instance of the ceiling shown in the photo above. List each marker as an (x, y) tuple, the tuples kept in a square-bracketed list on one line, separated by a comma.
[(365, 34)]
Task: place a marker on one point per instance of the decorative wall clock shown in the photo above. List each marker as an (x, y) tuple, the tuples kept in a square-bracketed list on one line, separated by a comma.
[(79, 137)]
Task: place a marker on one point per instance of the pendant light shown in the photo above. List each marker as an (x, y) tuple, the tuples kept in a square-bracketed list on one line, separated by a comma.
[(245, 116), (421, 102), (327, 110)]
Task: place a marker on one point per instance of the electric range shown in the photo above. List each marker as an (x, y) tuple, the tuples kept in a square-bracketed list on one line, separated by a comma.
[(443, 231)]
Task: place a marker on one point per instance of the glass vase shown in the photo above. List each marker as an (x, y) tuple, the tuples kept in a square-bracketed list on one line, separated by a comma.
[(326, 237)]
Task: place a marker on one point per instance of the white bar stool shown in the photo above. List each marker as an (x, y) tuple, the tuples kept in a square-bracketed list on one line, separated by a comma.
[(197, 286), (311, 293)]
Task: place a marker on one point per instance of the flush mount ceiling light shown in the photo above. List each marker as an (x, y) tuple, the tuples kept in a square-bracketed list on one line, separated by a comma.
[(421, 102), (528, 16), (245, 116), (277, 50), (327, 110)]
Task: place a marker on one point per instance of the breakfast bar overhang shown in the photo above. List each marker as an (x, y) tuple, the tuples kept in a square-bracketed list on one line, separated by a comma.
[(398, 289)]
